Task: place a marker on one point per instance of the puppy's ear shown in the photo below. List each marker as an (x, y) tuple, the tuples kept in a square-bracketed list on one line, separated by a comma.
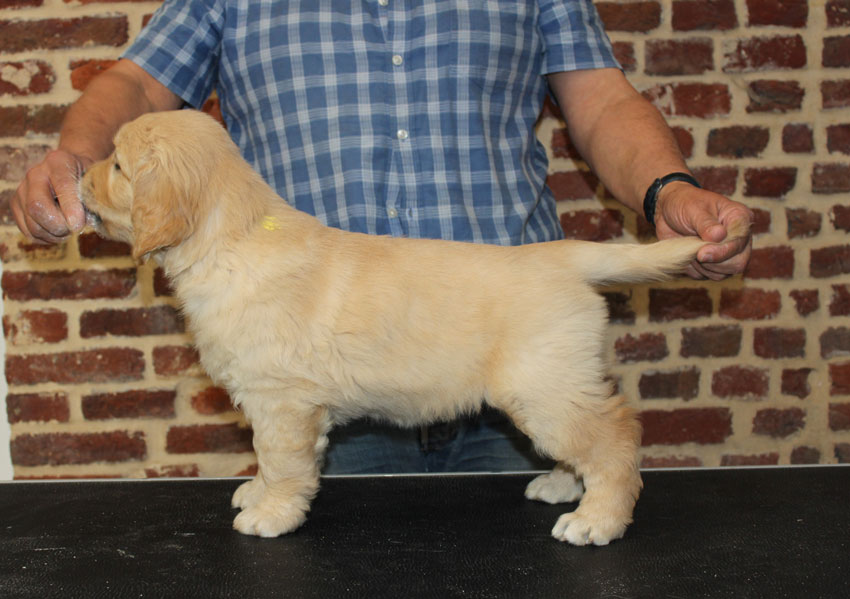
[(161, 213)]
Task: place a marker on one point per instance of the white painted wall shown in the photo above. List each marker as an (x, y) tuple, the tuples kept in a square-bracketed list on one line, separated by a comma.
[(5, 431)]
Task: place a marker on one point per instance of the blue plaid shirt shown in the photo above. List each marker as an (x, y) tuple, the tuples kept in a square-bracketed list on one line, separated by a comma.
[(402, 117)]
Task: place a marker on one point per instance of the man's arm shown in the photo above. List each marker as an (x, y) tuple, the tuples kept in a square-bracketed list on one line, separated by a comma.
[(46, 207), (627, 143)]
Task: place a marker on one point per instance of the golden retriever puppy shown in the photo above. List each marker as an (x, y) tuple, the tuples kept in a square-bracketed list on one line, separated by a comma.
[(308, 326)]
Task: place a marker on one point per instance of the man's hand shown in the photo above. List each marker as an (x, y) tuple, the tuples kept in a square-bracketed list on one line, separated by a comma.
[(46, 207), (684, 210)]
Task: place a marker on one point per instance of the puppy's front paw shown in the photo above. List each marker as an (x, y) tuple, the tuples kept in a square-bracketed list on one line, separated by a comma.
[(579, 529), (558, 486), (267, 520), (249, 493)]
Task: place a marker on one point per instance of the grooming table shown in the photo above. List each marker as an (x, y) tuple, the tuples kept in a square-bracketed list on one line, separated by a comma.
[(780, 532)]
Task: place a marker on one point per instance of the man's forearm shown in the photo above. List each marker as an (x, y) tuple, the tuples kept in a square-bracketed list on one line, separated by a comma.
[(623, 138), (119, 95)]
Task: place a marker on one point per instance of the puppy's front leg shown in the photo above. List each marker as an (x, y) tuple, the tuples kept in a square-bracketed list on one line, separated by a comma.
[(288, 439)]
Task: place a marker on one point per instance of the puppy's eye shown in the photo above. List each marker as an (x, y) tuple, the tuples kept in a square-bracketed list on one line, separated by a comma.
[(117, 167)]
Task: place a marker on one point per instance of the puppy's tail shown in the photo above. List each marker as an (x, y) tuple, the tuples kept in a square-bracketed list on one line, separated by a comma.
[(609, 263)]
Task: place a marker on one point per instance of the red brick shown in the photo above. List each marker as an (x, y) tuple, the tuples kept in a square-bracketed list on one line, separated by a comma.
[(175, 471), (624, 52), (6, 217), (840, 303), (835, 94), (37, 407), (692, 56), (838, 13), (761, 221), (620, 310), (802, 223), (840, 217), (805, 455), (797, 139), (686, 425), (26, 78), (631, 16), (770, 182), (645, 347), (717, 15), (717, 341), (719, 179), (19, 121), (805, 300), (249, 471), (737, 141), (835, 343), (836, 51), (839, 416), (573, 185), (685, 141), (771, 263), (682, 384), (795, 381), (779, 423), (830, 261), (701, 100), (775, 96), (83, 71), (593, 225), (129, 404), (161, 285), (670, 462), (174, 360), (777, 343), (16, 161), (92, 366), (830, 178), (749, 303), (765, 53), (36, 326), (132, 322), (77, 284), (92, 245), (60, 449), (209, 438), (562, 146), (838, 138), (784, 13), (740, 382), (212, 400), (842, 453), (58, 34), (765, 459), (673, 304), (839, 377), (20, 3)]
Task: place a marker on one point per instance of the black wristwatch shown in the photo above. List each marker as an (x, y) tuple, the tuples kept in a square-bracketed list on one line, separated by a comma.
[(651, 197)]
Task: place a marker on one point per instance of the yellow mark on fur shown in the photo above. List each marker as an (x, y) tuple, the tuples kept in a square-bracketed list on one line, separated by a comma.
[(271, 223)]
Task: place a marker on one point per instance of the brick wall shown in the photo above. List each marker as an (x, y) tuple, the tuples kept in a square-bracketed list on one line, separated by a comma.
[(103, 381)]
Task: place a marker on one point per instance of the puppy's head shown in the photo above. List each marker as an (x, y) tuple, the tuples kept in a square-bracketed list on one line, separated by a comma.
[(151, 192)]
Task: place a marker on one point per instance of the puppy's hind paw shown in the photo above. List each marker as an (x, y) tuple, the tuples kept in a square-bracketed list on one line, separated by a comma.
[(558, 486), (580, 530), (269, 521)]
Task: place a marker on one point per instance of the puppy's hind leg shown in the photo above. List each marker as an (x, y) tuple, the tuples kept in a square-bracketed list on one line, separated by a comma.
[(289, 437)]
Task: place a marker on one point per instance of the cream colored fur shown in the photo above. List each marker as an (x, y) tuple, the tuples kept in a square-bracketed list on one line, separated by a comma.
[(308, 326)]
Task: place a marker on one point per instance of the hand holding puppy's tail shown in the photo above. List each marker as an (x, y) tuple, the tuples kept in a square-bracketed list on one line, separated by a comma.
[(609, 263)]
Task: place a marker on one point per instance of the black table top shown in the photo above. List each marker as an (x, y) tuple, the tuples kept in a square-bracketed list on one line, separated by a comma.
[(781, 532)]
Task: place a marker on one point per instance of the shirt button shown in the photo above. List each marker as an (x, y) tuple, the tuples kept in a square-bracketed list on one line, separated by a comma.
[(392, 212), (383, 2), (397, 60), (402, 134)]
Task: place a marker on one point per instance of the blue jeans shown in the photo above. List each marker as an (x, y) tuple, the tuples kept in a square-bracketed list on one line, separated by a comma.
[(487, 442)]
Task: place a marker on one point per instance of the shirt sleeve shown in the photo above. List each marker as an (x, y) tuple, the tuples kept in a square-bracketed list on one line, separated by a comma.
[(574, 37), (180, 47)]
